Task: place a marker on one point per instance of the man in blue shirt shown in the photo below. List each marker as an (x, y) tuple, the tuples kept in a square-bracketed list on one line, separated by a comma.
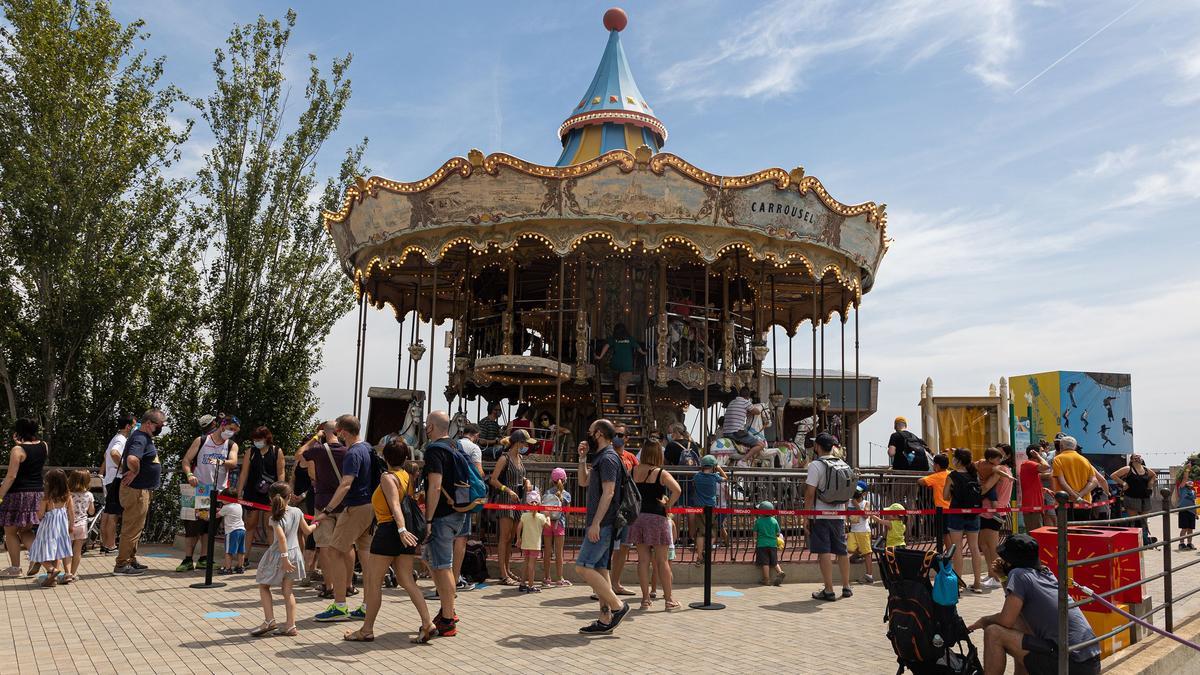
[(601, 474), (142, 475), (351, 527)]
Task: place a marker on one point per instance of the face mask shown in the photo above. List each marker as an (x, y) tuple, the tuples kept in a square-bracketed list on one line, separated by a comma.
[(260, 444), (157, 430), (618, 442), (227, 434)]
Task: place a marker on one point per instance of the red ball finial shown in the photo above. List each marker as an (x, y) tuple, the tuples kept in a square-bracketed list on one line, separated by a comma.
[(616, 19)]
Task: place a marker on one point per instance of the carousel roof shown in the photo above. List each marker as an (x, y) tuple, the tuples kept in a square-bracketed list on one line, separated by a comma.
[(613, 114)]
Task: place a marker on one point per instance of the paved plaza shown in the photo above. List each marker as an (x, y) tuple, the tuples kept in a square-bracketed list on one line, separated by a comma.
[(156, 623)]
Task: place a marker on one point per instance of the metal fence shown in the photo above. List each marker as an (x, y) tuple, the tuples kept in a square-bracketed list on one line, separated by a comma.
[(1064, 567)]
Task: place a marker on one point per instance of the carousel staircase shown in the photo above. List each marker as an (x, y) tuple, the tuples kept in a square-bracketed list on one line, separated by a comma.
[(633, 415)]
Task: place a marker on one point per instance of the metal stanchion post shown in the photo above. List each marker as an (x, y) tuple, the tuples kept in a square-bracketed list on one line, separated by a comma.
[(1166, 544), (1064, 641), (708, 603), (212, 537)]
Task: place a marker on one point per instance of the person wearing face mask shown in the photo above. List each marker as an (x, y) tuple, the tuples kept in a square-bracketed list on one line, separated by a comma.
[(208, 461), (510, 485), (261, 468), (142, 474), (324, 455)]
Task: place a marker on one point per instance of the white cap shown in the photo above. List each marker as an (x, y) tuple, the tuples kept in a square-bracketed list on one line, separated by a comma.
[(206, 420)]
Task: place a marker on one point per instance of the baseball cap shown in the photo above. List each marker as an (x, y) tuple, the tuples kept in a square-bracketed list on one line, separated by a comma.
[(708, 460), (825, 440), (900, 420), (206, 420), (766, 506), (894, 507), (1019, 550), (558, 474), (860, 486), (533, 497), (1059, 436)]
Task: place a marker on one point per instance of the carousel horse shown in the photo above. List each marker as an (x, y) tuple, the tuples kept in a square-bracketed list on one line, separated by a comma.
[(458, 423), (413, 431), (726, 452)]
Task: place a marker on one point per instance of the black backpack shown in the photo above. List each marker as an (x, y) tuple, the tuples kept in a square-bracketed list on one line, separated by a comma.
[(378, 468), (966, 490), (911, 622), (629, 504), (474, 566), (915, 451)]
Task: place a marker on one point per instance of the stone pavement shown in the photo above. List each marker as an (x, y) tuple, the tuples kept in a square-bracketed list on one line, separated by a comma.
[(155, 623)]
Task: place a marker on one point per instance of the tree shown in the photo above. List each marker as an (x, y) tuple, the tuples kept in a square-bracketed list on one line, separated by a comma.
[(274, 288), (100, 277)]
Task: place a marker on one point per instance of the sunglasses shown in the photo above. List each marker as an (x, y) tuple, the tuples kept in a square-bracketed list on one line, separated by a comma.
[(620, 435)]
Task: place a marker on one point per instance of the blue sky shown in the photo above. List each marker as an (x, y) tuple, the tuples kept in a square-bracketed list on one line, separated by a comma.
[(1042, 219)]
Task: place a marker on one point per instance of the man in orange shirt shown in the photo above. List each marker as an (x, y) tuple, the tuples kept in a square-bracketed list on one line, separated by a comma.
[(936, 481)]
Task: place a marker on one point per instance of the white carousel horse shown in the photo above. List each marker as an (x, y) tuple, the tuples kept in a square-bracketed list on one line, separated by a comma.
[(726, 451), (413, 431), (458, 423)]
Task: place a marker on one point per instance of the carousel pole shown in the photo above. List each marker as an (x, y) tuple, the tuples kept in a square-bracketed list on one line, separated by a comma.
[(362, 359), (357, 352), (825, 413), (815, 314), (774, 355), (707, 354), (432, 341), (842, 409), (400, 349), (558, 348), (857, 383)]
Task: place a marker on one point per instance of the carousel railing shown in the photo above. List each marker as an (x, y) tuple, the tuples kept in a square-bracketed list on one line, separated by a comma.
[(534, 333), (696, 335)]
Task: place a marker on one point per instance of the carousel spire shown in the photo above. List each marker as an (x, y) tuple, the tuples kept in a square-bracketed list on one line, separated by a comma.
[(613, 114)]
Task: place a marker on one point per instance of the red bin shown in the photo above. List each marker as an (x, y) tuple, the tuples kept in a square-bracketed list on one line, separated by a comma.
[(1085, 541)]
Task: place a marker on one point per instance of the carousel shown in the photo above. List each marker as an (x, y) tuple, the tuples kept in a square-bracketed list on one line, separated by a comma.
[(538, 268)]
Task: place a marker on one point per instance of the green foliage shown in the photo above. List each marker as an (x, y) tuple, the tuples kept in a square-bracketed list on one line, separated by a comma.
[(100, 285), (274, 288)]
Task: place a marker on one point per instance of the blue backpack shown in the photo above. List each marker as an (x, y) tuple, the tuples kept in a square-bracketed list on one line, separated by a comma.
[(945, 584), (467, 492)]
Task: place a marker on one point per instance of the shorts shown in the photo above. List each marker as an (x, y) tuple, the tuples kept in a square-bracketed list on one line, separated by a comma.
[(1187, 520), (624, 377), (353, 528), (859, 542), (963, 522), (622, 539), (744, 438), (235, 542), (439, 549), (1042, 659), (323, 535), (197, 528), (1139, 504), (559, 529), (988, 523), (466, 529), (387, 543), (531, 554), (112, 498), (596, 554), (766, 555), (828, 535)]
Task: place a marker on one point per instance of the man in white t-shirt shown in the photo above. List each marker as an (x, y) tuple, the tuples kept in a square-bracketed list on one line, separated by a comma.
[(112, 483), (470, 445), (826, 534)]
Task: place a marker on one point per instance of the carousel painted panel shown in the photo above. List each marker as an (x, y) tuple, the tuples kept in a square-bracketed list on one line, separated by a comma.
[(639, 197)]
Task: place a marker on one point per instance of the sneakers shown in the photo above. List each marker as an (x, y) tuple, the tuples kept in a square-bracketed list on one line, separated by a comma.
[(597, 628), (779, 579), (463, 585), (446, 627), (868, 579), (529, 588), (359, 614), (138, 566), (186, 566), (225, 570), (239, 570), (334, 613), (991, 582), (847, 592), (127, 571)]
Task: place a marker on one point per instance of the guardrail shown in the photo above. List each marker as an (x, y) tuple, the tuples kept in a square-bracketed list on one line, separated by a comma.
[(1064, 566)]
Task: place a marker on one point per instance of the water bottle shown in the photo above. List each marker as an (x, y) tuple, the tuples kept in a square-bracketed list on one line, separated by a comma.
[(938, 641)]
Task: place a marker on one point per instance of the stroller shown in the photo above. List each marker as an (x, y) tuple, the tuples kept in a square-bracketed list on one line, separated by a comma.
[(928, 638)]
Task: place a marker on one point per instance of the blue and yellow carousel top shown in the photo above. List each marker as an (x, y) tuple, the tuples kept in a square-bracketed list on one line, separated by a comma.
[(613, 114)]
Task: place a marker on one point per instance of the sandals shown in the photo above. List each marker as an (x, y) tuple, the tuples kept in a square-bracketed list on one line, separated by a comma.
[(67, 578), (564, 583), (264, 628), (33, 569), (51, 580), (288, 632), (359, 636), (673, 604), (424, 635), (828, 596), (11, 572), (509, 581), (976, 589), (645, 604)]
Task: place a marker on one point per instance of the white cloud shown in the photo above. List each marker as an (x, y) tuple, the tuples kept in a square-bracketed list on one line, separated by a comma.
[(1170, 176), (773, 48), (1111, 163), (1187, 87)]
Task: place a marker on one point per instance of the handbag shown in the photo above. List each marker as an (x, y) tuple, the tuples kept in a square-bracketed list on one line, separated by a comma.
[(263, 484)]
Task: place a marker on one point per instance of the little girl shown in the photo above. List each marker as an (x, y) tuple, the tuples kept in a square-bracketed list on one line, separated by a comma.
[(84, 505), (555, 532), (529, 533), (55, 515), (283, 563)]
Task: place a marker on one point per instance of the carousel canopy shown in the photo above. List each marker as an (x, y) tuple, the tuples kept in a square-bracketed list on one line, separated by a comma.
[(612, 196)]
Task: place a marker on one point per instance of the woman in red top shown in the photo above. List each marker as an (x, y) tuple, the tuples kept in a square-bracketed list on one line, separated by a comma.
[(1032, 493)]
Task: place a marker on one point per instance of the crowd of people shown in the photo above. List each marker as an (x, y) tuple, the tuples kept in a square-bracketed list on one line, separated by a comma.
[(367, 514)]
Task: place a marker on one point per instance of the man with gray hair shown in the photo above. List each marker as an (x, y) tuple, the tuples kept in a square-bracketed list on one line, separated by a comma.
[(1075, 475)]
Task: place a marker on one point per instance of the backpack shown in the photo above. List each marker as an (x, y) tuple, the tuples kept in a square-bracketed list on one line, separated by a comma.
[(911, 622), (467, 491), (688, 456), (945, 584), (474, 565), (630, 503), (838, 486), (375, 472), (968, 485), (916, 452)]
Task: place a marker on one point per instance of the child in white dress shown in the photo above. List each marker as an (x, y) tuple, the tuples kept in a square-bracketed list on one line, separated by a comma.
[(283, 563)]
